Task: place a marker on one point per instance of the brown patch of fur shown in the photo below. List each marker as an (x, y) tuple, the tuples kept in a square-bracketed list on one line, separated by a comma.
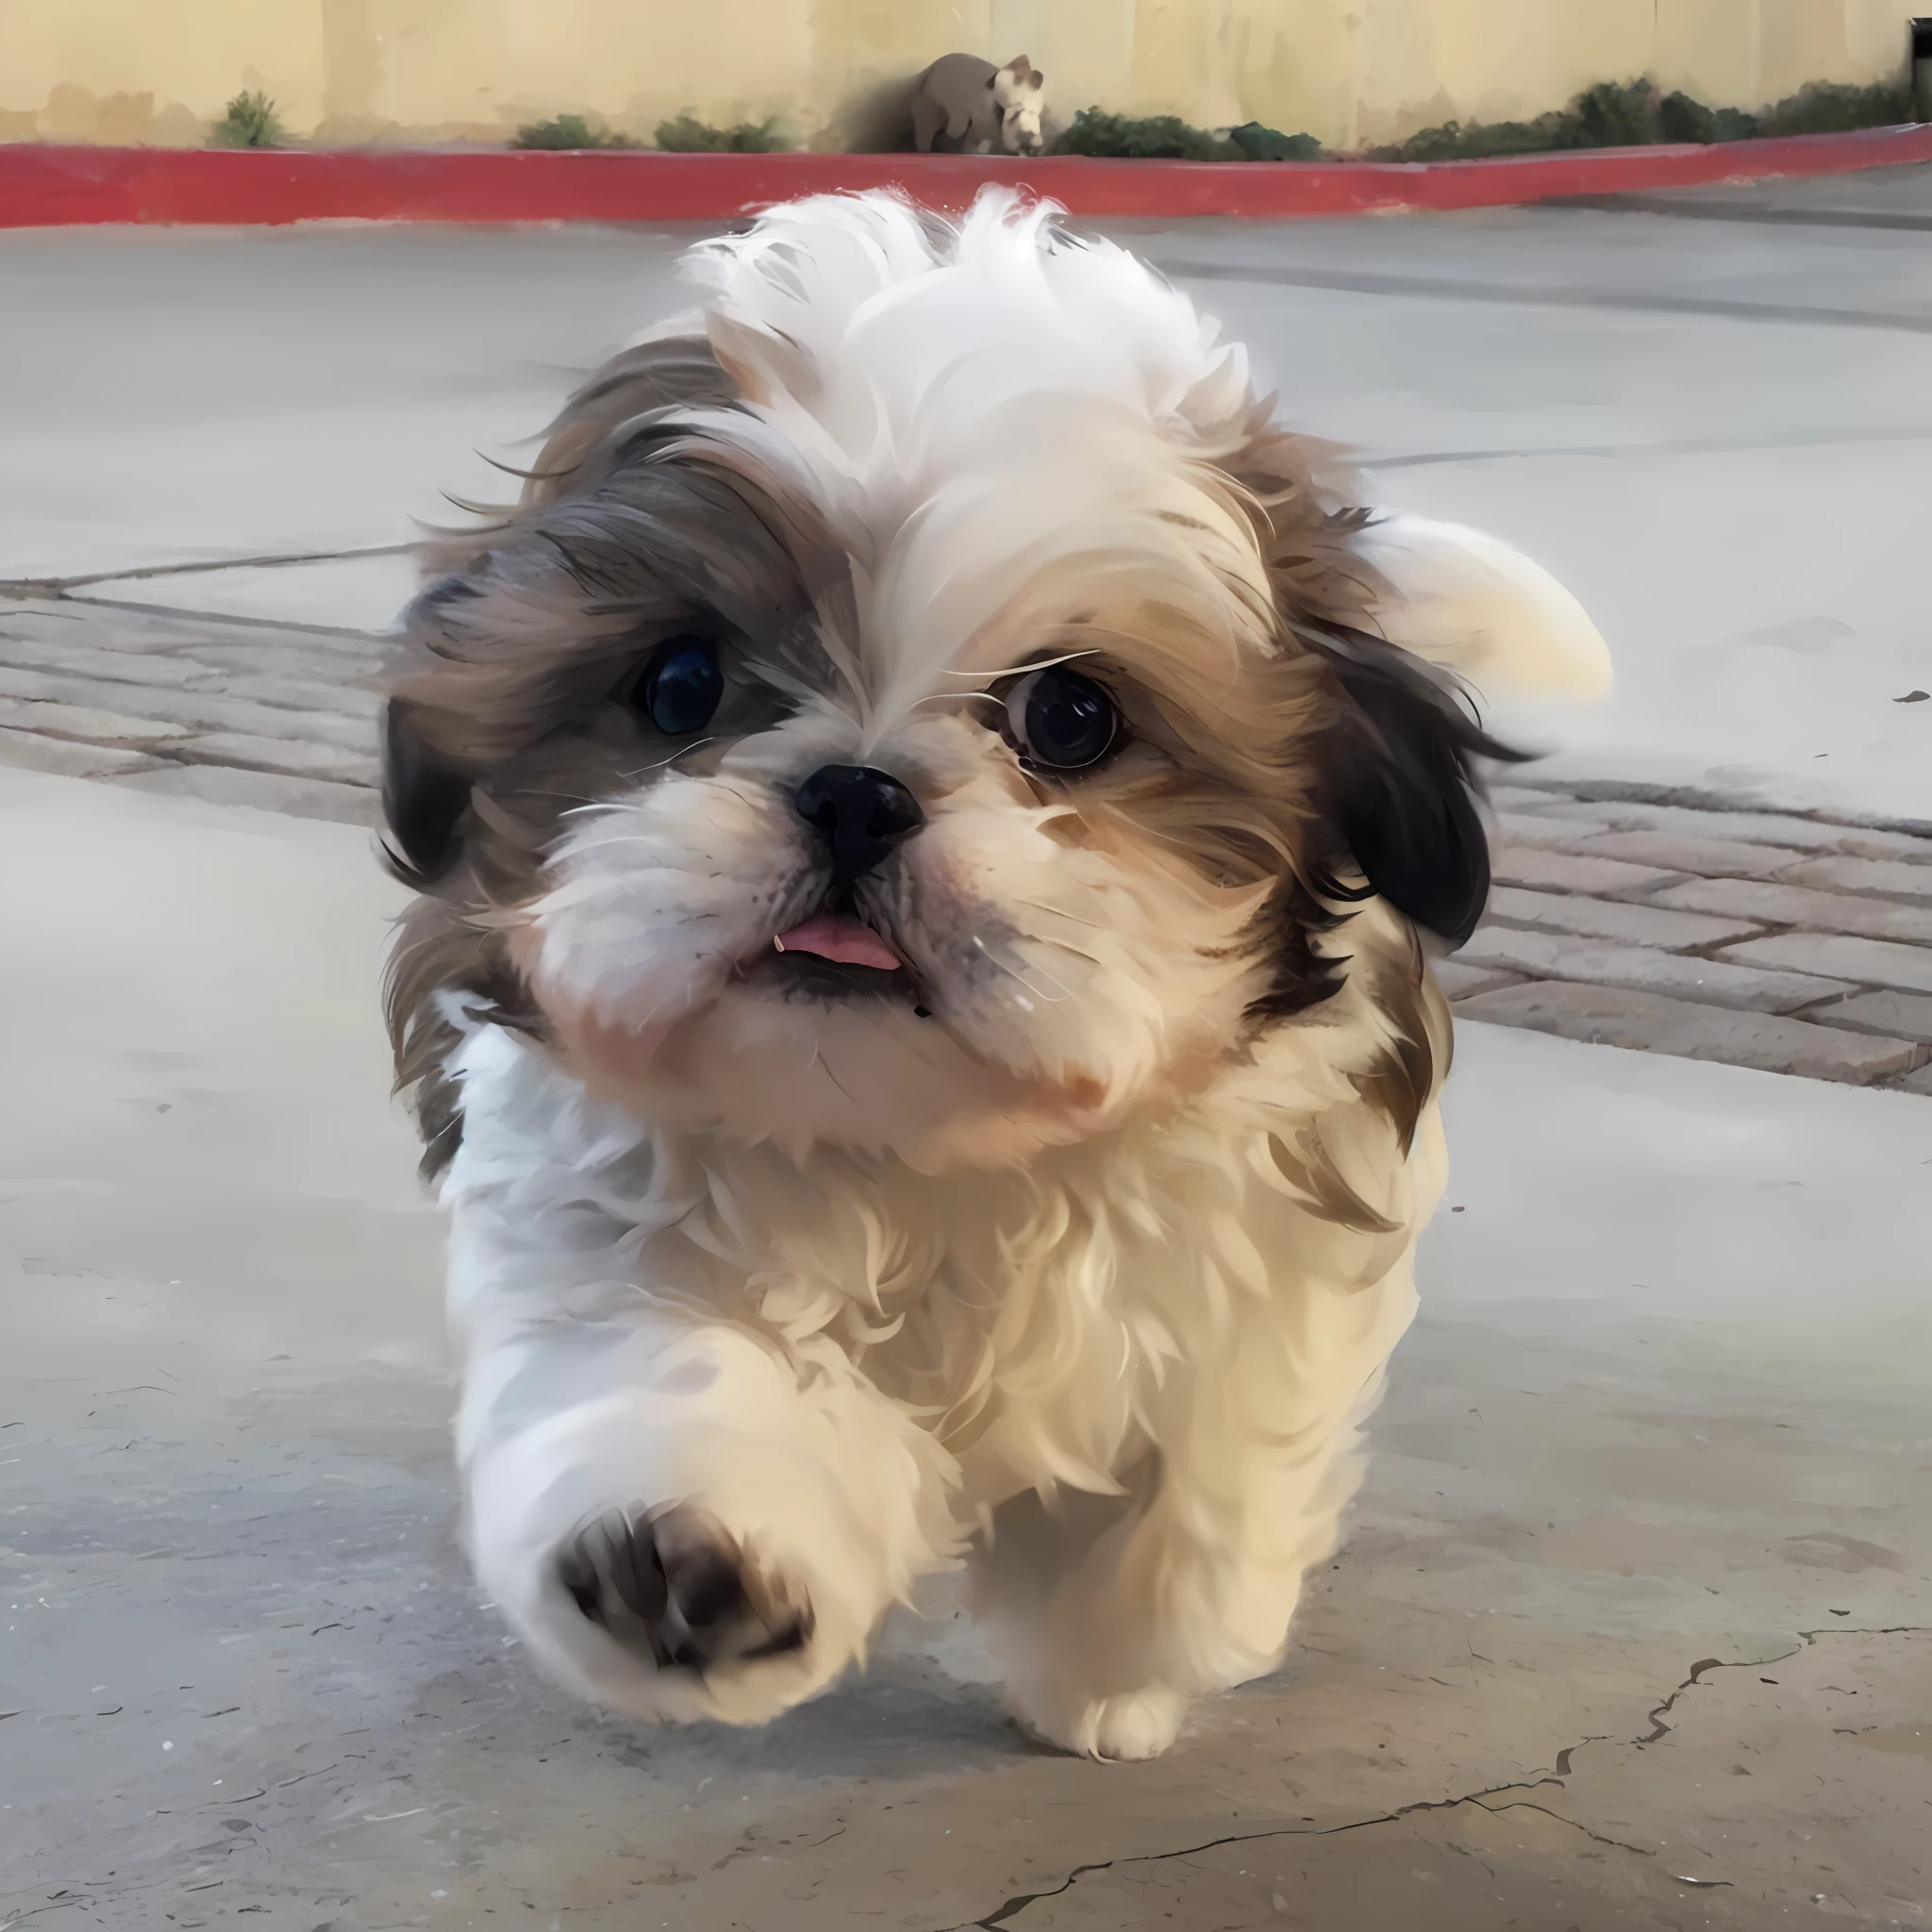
[(1247, 803), (506, 661), (1308, 1169), (1410, 1070), (438, 951), (1306, 526)]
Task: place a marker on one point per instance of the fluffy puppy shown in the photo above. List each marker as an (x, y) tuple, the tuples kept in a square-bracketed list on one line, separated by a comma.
[(930, 821)]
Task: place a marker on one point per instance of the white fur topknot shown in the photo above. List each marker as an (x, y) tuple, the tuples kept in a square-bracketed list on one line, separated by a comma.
[(966, 409)]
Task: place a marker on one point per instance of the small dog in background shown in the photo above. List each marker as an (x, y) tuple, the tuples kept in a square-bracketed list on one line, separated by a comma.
[(962, 105), (931, 819)]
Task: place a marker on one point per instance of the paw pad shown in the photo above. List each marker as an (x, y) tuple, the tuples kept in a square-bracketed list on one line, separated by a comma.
[(674, 1587)]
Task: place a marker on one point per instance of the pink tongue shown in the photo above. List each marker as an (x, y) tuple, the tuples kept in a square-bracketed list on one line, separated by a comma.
[(832, 936)]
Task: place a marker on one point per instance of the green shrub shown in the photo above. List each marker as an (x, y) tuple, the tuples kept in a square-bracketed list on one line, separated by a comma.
[(249, 121), (1478, 140), (1635, 114), (1254, 143), (1826, 107), (566, 132), (688, 134), (1611, 114), (1166, 138), (1681, 119), (1130, 138)]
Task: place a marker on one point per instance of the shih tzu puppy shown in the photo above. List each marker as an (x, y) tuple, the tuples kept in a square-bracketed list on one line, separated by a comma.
[(931, 819)]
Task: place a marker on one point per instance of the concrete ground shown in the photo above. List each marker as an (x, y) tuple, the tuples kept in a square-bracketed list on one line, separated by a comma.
[(1635, 1626)]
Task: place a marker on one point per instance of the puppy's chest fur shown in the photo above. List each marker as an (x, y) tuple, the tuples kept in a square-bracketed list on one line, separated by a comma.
[(1046, 1325)]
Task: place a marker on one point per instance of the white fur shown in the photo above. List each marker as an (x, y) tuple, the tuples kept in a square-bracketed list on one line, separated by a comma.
[(649, 1316), (853, 1280)]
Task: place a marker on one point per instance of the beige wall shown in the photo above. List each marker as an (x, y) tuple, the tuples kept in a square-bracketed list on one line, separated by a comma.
[(1347, 71)]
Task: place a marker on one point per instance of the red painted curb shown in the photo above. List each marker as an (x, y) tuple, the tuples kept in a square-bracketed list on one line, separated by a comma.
[(43, 186)]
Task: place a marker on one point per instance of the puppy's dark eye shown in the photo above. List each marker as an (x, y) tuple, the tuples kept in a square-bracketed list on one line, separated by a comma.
[(1060, 719), (680, 688)]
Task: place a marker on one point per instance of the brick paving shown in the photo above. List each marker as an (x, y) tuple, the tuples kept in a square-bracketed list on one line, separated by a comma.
[(1633, 917), (239, 712), (1621, 914)]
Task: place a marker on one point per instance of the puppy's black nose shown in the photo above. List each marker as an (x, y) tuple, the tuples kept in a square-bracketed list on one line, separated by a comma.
[(861, 813)]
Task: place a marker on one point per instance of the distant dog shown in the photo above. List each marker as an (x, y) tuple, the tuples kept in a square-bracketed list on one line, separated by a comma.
[(929, 842), (965, 106)]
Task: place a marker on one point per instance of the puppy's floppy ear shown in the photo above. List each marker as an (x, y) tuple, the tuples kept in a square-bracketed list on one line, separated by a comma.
[(425, 793), (1455, 608), (423, 799), (1482, 609), (1401, 785)]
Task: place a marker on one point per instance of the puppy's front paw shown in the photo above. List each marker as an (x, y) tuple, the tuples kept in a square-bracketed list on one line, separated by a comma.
[(1128, 1729), (1121, 1730), (679, 1591)]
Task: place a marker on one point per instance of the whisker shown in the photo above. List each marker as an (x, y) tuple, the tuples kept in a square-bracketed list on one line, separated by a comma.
[(1166, 838), (1079, 952), (953, 697), (1051, 999), (833, 1077), (697, 744), (1058, 913), (1031, 664), (748, 804)]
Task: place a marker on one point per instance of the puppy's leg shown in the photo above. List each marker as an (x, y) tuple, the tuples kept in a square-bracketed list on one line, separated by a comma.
[(1034, 1577), (1117, 1613), (681, 1520)]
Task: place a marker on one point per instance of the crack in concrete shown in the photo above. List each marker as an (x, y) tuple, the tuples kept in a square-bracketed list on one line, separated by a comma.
[(1806, 1640), (56, 587), (1004, 1913), (189, 615), (1658, 1728)]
